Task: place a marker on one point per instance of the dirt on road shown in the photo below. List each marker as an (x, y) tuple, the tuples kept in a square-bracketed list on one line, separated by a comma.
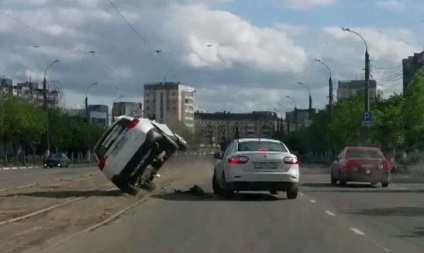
[(78, 203)]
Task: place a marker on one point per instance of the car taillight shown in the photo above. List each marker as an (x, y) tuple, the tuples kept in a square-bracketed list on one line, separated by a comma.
[(133, 123), (238, 160), (101, 164), (349, 165), (262, 149), (290, 160), (386, 165)]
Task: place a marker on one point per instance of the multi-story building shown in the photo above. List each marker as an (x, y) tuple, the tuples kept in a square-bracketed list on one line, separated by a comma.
[(170, 102), (348, 89), (99, 115), (31, 92), (219, 126), (133, 109), (303, 117), (411, 66)]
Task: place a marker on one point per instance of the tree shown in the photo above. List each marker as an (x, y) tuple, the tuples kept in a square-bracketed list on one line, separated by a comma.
[(413, 116)]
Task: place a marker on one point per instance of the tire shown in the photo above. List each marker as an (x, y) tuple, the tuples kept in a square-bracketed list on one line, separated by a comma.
[(341, 181), (384, 184), (292, 193), (333, 180), (131, 190), (215, 186), (273, 192), (228, 192)]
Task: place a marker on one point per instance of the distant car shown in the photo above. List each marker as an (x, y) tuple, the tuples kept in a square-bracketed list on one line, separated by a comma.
[(361, 164), (57, 160), (256, 164)]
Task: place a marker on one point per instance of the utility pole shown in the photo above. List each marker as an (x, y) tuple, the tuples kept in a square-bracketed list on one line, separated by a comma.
[(367, 83), (45, 105), (330, 96)]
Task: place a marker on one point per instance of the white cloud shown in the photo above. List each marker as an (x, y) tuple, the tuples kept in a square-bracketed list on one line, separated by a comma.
[(252, 67), (391, 5), (306, 4)]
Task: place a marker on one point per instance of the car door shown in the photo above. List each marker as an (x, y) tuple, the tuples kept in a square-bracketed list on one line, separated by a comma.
[(220, 165)]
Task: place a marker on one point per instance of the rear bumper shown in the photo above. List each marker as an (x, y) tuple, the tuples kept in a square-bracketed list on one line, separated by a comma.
[(262, 186), (291, 176), (374, 176)]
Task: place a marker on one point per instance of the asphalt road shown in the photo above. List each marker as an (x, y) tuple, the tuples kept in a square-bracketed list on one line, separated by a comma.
[(322, 219), (16, 178)]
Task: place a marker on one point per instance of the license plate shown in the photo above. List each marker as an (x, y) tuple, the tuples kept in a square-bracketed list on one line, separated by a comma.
[(367, 166), (265, 165), (119, 146)]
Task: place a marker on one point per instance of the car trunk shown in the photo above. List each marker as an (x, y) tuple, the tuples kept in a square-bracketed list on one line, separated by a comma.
[(366, 166), (264, 161)]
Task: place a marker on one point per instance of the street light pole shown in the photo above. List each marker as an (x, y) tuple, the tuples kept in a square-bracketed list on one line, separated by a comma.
[(45, 105), (310, 99), (87, 116), (295, 111), (367, 70), (330, 89)]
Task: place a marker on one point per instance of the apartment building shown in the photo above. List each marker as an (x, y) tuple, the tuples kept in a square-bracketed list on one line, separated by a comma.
[(215, 127), (411, 66), (31, 92), (170, 102), (99, 115), (133, 109), (348, 89), (303, 118)]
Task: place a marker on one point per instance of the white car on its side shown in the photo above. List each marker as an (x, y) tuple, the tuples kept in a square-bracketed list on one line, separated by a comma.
[(256, 164)]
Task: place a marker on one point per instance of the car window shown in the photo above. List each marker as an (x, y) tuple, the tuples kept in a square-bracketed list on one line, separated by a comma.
[(109, 138), (363, 153), (228, 150), (265, 145)]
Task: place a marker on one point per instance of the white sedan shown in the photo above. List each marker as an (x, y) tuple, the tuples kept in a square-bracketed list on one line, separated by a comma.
[(256, 164)]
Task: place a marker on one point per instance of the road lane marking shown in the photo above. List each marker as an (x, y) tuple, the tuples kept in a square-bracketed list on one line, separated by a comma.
[(357, 231), (25, 186), (330, 213), (312, 201), (301, 194), (3, 190), (379, 245)]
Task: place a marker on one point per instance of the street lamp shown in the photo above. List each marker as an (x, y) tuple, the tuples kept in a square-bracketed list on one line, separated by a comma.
[(295, 111), (367, 70), (87, 116), (45, 106), (330, 88), (113, 106), (310, 99)]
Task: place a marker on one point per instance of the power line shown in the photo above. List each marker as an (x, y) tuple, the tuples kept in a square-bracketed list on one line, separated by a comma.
[(141, 37), (24, 24)]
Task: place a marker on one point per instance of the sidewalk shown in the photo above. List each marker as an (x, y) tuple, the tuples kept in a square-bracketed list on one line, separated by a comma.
[(33, 166)]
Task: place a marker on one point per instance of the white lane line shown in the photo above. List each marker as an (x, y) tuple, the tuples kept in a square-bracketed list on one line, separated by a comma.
[(312, 201), (3, 190), (381, 246), (25, 186), (301, 194), (330, 213), (357, 231)]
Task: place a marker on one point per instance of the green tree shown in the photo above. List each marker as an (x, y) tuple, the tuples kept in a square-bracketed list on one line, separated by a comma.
[(345, 127), (413, 110)]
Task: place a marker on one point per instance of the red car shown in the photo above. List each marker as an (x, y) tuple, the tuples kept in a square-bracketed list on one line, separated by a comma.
[(361, 164)]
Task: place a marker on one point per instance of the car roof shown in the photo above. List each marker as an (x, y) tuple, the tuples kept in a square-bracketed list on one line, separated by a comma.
[(362, 147), (257, 139)]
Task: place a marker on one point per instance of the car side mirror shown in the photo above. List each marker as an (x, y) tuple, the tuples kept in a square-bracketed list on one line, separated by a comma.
[(217, 155)]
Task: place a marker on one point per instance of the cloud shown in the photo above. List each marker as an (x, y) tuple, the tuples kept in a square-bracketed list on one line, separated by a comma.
[(306, 4), (391, 5), (245, 67)]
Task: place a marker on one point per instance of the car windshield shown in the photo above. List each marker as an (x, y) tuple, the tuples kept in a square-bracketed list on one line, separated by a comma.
[(363, 153), (262, 145)]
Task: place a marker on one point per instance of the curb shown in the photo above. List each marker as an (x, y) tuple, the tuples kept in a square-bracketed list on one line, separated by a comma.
[(19, 168)]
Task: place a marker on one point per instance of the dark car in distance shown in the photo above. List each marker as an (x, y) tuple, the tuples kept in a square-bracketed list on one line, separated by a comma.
[(57, 160)]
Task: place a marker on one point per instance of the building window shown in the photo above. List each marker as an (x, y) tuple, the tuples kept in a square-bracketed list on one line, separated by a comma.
[(174, 108)]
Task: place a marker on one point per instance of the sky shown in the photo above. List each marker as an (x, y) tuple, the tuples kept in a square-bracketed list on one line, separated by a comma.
[(239, 55)]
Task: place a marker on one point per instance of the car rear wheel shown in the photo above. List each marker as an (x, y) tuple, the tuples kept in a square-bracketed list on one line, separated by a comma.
[(215, 186), (384, 184), (333, 179), (228, 192), (292, 193)]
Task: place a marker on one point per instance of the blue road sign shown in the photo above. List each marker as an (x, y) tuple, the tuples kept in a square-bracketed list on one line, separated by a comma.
[(366, 118)]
